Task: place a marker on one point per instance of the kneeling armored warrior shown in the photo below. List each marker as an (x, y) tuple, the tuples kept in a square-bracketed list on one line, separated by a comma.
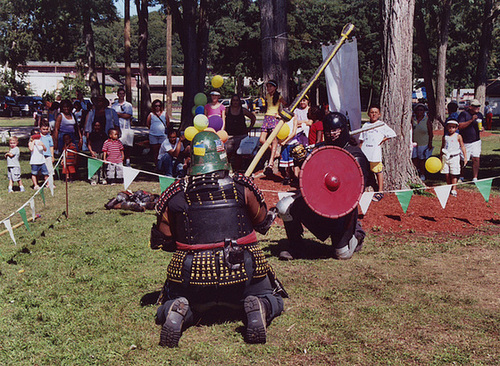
[(208, 220), (344, 230)]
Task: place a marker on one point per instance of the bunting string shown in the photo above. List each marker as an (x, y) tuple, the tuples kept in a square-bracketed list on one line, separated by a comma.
[(129, 174)]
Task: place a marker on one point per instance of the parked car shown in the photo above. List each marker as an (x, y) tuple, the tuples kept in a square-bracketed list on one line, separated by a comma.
[(28, 104), (9, 107)]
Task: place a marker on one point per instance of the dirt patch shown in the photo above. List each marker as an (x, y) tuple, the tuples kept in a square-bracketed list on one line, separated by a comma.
[(466, 214)]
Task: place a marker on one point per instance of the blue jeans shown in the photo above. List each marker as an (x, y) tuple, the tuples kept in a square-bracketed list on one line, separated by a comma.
[(170, 166)]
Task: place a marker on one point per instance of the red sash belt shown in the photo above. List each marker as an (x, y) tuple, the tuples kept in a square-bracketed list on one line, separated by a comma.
[(249, 239)]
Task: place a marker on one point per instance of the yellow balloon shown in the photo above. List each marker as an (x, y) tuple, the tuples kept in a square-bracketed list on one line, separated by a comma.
[(222, 135), (200, 122), (217, 81), (190, 132), (284, 132), (433, 165)]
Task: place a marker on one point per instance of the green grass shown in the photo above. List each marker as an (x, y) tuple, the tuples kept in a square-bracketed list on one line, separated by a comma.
[(71, 290), (16, 121)]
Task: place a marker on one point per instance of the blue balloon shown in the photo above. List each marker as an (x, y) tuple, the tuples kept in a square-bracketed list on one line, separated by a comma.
[(199, 110)]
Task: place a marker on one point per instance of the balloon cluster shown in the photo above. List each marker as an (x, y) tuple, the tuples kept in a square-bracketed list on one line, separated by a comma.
[(201, 122)]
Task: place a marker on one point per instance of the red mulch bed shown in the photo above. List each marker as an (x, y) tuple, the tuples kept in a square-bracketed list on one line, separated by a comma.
[(466, 214)]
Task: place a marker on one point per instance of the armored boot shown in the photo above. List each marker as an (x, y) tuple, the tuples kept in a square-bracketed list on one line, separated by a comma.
[(172, 328), (256, 320)]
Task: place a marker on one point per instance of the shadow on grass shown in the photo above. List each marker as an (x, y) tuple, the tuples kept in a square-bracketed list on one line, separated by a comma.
[(310, 249)]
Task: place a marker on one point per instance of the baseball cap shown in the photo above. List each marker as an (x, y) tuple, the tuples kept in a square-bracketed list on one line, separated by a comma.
[(475, 103)]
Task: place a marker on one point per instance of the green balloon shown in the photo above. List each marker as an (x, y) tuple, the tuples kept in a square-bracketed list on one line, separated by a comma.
[(200, 99), (193, 110)]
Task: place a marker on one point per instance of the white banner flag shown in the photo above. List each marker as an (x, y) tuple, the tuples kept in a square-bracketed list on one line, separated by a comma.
[(442, 193), (365, 201), (129, 175), (32, 205), (342, 82), (8, 226)]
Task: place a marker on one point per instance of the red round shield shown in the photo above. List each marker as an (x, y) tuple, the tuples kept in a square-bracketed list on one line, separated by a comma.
[(331, 182)]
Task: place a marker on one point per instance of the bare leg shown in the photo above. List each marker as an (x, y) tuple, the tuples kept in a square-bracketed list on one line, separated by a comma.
[(475, 167), (380, 181)]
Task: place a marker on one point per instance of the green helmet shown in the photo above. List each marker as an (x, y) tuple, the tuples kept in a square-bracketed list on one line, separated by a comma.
[(207, 154)]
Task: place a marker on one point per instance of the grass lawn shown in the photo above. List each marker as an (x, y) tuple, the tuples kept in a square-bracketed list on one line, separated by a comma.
[(71, 290)]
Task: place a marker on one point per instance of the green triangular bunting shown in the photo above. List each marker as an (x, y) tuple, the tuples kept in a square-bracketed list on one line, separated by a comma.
[(93, 167), (165, 182), (22, 212), (404, 198), (484, 187), (42, 194)]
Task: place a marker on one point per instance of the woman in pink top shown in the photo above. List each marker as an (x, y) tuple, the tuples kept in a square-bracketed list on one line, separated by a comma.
[(216, 108)]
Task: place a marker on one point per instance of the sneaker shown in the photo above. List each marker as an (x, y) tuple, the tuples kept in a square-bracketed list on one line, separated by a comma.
[(285, 256), (454, 193), (377, 197), (347, 251), (474, 179), (22, 189), (127, 162), (104, 181), (256, 320), (36, 188), (172, 328), (461, 179), (422, 178), (286, 182), (268, 171), (93, 183)]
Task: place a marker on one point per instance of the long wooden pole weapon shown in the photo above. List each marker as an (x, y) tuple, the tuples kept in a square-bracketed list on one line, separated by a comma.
[(287, 114)]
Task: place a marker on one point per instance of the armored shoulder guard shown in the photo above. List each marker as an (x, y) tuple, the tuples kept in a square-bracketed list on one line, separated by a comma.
[(174, 188), (248, 182)]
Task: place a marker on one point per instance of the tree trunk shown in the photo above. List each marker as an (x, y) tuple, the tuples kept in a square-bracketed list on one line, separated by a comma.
[(444, 23), (142, 12), (126, 44), (168, 106), (274, 44), (88, 35), (396, 102), (427, 67), (491, 13)]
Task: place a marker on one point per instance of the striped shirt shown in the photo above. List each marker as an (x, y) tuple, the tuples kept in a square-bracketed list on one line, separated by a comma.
[(113, 150)]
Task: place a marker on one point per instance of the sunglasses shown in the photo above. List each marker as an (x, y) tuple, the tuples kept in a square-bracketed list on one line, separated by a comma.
[(157, 105)]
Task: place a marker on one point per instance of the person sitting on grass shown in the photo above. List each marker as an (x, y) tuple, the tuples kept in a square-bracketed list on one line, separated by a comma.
[(371, 144), (170, 161), (453, 143), (95, 142), (113, 154), (37, 159), (70, 163)]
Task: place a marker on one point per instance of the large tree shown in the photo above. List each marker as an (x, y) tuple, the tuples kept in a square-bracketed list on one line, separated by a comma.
[(190, 19), (273, 29), (397, 16), (145, 102)]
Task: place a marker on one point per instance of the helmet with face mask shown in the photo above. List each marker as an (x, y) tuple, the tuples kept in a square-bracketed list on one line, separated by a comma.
[(336, 129)]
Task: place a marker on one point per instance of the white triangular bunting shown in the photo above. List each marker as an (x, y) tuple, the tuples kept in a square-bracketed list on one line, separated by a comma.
[(282, 195), (32, 205), (8, 226), (129, 175), (365, 201), (442, 193), (51, 184)]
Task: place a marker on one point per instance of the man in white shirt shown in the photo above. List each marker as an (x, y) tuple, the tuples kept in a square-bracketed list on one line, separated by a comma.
[(124, 110), (170, 160)]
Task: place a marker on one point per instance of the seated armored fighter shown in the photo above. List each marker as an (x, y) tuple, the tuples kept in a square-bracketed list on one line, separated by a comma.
[(332, 180), (209, 219)]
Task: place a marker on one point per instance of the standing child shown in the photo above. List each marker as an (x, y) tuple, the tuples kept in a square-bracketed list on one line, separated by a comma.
[(273, 103), (37, 159), (94, 143), (450, 154), (13, 166), (46, 138), (371, 144), (69, 168), (286, 161), (113, 153)]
